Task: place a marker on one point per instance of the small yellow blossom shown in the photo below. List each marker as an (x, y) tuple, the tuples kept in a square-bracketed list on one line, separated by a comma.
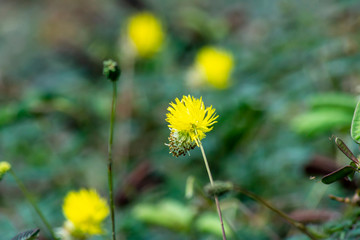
[(85, 211), (214, 66), (146, 34), (4, 168), (189, 120)]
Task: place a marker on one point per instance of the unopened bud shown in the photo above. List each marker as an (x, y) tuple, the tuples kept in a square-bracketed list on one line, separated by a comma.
[(4, 168), (111, 70), (218, 188)]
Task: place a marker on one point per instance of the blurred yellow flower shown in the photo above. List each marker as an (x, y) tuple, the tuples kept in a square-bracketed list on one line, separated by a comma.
[(214, 66), (85, 211), (4, 168), (189, 120), (146, 34)]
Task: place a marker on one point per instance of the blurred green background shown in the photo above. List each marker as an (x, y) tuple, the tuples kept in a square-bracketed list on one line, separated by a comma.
[(295, 83)]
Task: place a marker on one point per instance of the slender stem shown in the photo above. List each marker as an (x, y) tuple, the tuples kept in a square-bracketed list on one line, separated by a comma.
[(30, 198), (110, 173), (212, 184), (293, 222)]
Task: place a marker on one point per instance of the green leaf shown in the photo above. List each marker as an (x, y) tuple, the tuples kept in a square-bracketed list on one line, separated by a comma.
[(342, 146), (167, 213), (355, 125), (27, 235), (209, 223), (320, 121), (338, 174), (333, 100)]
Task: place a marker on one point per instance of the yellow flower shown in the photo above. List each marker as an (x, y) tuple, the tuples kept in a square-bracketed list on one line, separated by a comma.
[(189, 120), (146, 34), (215, 66), (85, 211), (4, 168)]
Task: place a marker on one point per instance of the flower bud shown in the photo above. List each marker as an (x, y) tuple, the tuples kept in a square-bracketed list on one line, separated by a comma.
[(218, 188), (4, 168), (111, 70)]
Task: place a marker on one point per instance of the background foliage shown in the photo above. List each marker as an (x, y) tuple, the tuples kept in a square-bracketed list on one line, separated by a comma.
[(294, 85)]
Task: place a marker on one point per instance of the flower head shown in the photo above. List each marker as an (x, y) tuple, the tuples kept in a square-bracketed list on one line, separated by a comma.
[(189, 120), (145, 33), (214, 66), (111, 70), (85, 211), (4, 168)]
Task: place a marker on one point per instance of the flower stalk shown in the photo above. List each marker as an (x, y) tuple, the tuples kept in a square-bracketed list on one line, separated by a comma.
[(112, 72), (189, 121), (32, 201), (212, 184), (110, 173), (293, 222)]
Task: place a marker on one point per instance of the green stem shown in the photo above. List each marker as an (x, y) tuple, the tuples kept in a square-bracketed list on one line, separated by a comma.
[(212, 184), (31, 200), (293, 222), (110, 173)]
